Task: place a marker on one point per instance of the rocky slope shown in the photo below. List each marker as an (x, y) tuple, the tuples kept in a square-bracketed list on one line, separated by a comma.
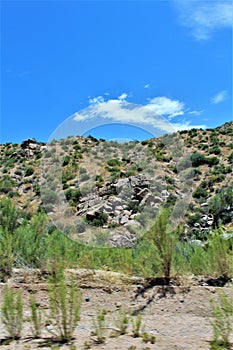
[(88, 185)]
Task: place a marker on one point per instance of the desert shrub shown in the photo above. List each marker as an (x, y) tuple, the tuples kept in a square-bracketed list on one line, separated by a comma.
[(164, 239), (222, 321), (230, 158), (65, 302), (221, 206), (7, 184), (66, 160), (36, 317), (73, 194), (215, 150), (99, 324), (67, 175), (84, 177), (36, 188), (114, 162), (12, 313), (200, 192), (29, 172), (169, 180), (211, 161), (18, 172), (219, 255), (48, 196), (137, 327), (99, 220), (122, 321), (198, 159), (221, 169), (9, 216)]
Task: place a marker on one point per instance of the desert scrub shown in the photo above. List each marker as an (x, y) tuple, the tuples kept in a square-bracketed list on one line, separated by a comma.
[(65, 302), (36, 317), (99, 324), (137, 326), (122, 321), (222, 321), (12, 313)]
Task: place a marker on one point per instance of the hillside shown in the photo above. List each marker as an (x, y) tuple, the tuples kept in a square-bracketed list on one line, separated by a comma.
[(83, 182)]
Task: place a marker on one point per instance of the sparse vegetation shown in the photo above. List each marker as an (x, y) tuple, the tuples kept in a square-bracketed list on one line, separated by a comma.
[(12, 313), (222, 321)]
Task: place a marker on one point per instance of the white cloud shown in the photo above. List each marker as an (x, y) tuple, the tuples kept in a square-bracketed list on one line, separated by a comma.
[(123, 96), (96, 100), (166, 107), (155, 113), (195, 112), (205, 17), (147, 86), (186, 126), (220, 97)]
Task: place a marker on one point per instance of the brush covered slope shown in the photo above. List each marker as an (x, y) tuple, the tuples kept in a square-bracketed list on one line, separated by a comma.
[(118, 188)]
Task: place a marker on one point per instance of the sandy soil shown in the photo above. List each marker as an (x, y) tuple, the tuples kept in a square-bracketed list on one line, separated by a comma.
[(178, 316)]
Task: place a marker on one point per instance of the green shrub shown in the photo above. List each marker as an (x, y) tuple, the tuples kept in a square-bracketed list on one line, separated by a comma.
[(137, 327), (12, 313), (100, 326), (215, 150), (36, 317), (222, 321), (114, 162), (219, 255), (164, 239), (200, 192), (221, 206), (230, 158), (122, 321), (198, 159), (65, 302), (73, 194), (9, 216), (66, 160), (29, 172), (99, 220)]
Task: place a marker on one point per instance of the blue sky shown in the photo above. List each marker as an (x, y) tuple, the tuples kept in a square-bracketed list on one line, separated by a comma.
[(58, 58)]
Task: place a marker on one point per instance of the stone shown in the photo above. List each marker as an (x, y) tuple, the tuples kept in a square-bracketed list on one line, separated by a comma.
[(158, 199), (124, 219), (148, 199), (121, 183)]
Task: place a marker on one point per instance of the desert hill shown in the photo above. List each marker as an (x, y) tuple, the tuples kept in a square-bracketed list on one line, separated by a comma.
[(119, 187)]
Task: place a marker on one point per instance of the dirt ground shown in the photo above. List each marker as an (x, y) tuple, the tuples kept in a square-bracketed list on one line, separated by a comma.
[(179, 316)]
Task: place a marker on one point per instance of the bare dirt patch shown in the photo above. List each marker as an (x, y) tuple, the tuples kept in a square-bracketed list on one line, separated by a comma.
[(179, 316)]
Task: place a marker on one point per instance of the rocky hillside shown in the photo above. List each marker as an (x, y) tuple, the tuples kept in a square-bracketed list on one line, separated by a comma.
[(85, 183)]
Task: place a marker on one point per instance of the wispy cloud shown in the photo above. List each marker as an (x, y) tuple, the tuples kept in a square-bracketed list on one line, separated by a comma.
[(205, 17), (195, 112), (146, 86), (157, 113), (219, 97)]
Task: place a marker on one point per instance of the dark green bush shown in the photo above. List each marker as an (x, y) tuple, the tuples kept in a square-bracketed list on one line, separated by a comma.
[(200, 192), (198, 159), (114, 162), (29, 172), (66, 160)]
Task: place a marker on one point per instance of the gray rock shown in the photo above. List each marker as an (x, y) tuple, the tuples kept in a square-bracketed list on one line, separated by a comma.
[(121, 183), (124, 219)]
